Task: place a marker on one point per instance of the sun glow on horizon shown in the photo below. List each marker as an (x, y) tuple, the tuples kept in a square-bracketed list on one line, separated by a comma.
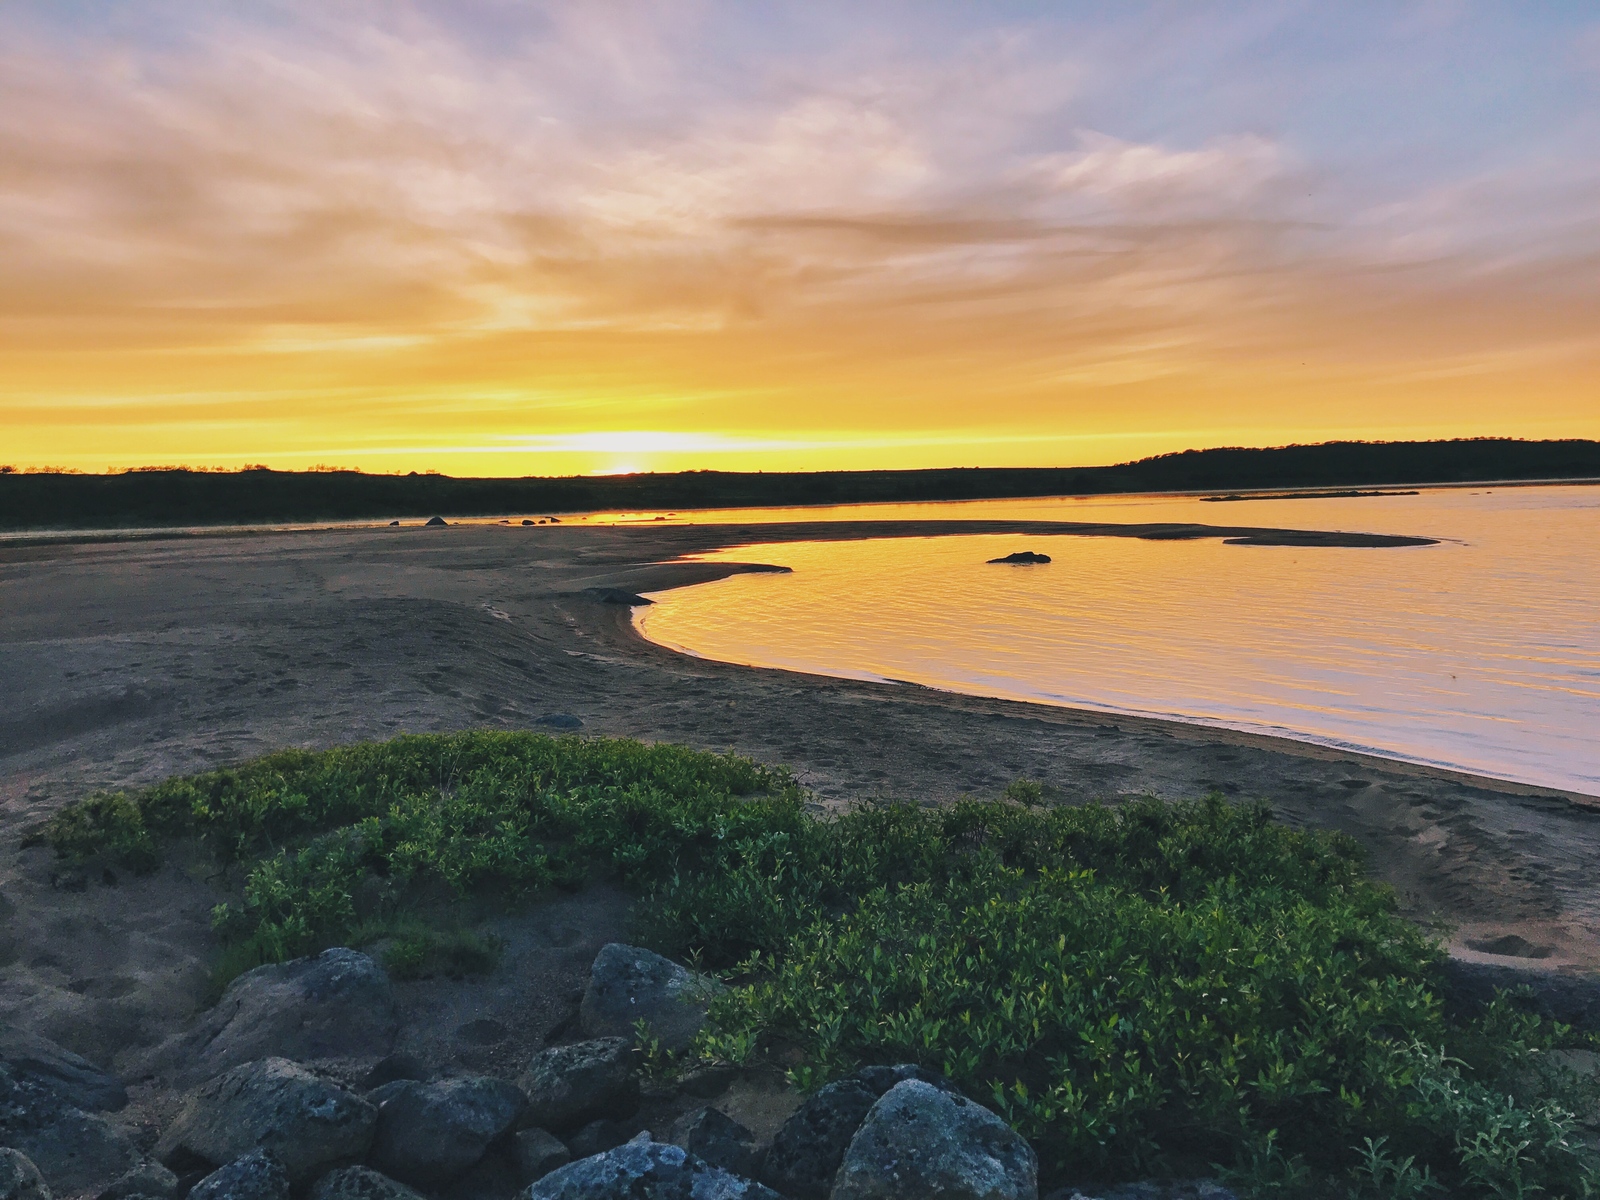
[(558, 241)]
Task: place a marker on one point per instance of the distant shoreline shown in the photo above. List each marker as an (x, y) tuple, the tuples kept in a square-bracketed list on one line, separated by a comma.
[(177, 498)]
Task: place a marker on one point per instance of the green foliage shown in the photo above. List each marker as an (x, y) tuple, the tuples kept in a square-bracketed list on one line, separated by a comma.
[(425, 953), (1142, 989)]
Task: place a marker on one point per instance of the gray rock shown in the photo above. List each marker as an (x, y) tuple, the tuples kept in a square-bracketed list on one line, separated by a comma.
[(538, 1152), (919, 1141), (19, 1178), (645, 1170), (569, 1086), (146, 1179), (430, 1133), (627, 984), (75, 1151), (276, 1105), (74, 1078), (712, 1135), (337, 1004), (361, 1183), (1023, 556), (433, 522), (393, 1067), (597, 1137), (258, 1175)]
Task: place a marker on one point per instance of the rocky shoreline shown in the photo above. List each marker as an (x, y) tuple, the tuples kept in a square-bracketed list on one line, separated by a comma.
[(291, 1087)]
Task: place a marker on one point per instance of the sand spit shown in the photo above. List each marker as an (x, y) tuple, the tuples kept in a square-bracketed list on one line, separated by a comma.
[(125, 662)]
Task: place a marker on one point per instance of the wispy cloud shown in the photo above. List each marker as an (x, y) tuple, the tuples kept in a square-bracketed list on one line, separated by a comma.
[(701, 208)]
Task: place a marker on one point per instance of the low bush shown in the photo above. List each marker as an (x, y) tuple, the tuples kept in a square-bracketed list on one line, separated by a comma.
[(1151, 988)]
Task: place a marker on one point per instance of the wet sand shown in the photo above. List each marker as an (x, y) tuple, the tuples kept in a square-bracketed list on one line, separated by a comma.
[(124, 662)]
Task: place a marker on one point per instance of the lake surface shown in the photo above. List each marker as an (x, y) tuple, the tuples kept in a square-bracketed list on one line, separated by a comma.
[(1481, 653)]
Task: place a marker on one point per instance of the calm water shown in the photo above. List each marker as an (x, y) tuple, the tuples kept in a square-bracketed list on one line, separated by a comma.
[(1481, 653)]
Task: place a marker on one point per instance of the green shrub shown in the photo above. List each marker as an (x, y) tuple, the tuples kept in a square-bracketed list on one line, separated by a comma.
[(1155, 987)]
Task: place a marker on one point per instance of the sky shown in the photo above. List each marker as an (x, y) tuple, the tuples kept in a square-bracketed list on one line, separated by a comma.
[(497, 238)]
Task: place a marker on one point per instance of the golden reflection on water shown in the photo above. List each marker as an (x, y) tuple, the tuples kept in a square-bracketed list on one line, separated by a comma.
[(1481, 653)]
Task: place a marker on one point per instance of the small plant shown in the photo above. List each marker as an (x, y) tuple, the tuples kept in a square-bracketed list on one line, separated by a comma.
[(426, 954), (1026, 792), (1383, 1177)]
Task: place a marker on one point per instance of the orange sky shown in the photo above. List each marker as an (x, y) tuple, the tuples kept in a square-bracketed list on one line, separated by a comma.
[(614, 240)]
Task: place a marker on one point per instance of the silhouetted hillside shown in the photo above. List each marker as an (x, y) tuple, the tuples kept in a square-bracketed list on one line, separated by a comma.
[(180, 497)]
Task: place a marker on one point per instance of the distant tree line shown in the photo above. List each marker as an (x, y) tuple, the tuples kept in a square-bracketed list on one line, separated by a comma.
[(180, 496)]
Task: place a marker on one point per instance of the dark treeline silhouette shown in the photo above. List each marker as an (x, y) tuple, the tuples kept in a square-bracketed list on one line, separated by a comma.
[(166, 497)]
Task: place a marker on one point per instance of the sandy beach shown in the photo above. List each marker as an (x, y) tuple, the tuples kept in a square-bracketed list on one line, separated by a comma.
[(124, 662)]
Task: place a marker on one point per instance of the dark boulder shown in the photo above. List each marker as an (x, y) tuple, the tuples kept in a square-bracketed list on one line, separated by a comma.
[(569, 1086), (645, 1170), (71, 1076), (337, 1004), (537, 1152), (628, 985), (433, 522), (73, 1150), (919, 1141), (308, 1122), (431, 1133), (1022, 557), (147, 1179), (258, 1175), (712, 1135), (393, 1067), (1573, 999), (19, 1178), (361, 1183), (597, 1137), (809, 1147)]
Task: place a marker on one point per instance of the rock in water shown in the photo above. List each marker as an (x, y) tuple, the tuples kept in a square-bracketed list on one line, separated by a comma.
[(72, 1077), (715, 1137), (434, 522), (430, 1133), (337, 1004), (259, 1175), (276, 1105), (361, 1183), (919, 1141), (809, 1148), (569, 1086), (616, 595), (73, 1150), (1022, 556), (538, 1152), (645, 1170), (627, 984), (20, 1179)]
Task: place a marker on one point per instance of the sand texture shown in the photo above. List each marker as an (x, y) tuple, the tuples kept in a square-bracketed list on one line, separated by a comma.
[(124, 662)]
